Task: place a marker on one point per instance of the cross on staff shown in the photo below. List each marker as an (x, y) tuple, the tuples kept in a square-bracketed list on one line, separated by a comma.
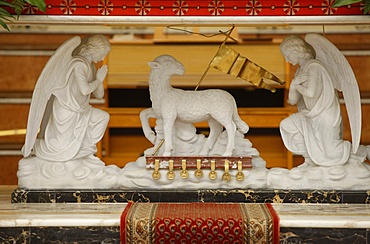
[(229, 61), (228, 35)]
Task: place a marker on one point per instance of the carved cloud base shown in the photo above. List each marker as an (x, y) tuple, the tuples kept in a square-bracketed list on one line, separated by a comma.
[(85, 173), (92, 173), (350, 176)]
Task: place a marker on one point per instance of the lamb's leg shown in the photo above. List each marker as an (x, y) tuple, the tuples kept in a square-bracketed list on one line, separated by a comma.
[(168, 124), (215, 130), (230, 129)]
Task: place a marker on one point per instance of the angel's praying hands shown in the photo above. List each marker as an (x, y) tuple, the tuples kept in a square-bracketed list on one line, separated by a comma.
[(71, 127)]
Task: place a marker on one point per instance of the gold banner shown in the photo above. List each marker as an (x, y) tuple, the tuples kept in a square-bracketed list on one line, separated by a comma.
[(229, 61)]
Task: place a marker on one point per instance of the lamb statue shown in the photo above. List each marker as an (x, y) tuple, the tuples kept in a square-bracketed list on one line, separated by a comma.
[(169, 104)]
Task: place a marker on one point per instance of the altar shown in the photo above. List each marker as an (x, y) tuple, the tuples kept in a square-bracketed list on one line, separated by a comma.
[(215, 187), (94, 216)]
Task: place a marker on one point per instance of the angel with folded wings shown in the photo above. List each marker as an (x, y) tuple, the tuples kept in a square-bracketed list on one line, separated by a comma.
[(62, 125), (315, 131)]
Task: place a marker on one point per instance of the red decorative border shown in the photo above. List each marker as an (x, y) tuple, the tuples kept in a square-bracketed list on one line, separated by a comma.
[(195, 8)]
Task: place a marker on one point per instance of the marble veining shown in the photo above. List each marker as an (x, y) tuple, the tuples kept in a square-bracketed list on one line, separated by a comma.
[(99, 222), (324, 215), (106, 214), (297, 215), (20, 195), (63, 235), (324, 235)]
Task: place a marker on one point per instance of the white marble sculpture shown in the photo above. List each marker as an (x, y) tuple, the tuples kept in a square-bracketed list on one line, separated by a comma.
[(315, 131), (169, 104), (63, 152), (62, 155)]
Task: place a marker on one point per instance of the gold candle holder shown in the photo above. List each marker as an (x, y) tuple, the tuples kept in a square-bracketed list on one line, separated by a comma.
[(184, 173), (170, 173), (156, 175), (213, 175), (226, 176), (198, 172), (239, 175)]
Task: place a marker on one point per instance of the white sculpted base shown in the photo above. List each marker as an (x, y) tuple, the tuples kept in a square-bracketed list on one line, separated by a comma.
[(34, 173)]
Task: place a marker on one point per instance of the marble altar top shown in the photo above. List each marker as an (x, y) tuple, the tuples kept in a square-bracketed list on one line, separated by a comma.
[(108, 214)]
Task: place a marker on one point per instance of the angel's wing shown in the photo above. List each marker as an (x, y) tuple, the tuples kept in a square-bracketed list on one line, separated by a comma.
[(53, 76), (344, 80)]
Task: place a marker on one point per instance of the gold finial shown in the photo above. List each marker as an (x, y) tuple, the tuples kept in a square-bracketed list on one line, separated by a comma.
[(170, 173), (226, 176), (184, 173), (156, 175), (198, 172), (239, 175), (213, 175)]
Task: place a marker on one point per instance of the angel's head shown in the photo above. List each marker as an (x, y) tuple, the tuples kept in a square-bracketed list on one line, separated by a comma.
[(295, 48), (96, 47)]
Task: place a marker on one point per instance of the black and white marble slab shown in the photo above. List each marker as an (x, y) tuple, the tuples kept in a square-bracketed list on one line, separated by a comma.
[(238, 195), (99, 220)]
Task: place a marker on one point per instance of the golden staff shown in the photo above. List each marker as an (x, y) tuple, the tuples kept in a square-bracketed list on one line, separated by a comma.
[(209, 65), (158, 147)]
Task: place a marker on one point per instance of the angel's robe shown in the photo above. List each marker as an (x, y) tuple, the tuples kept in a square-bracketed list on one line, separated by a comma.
[(315, 131), (74, 126)]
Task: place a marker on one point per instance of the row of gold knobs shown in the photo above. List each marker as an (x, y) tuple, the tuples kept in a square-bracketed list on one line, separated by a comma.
[(198, 172)]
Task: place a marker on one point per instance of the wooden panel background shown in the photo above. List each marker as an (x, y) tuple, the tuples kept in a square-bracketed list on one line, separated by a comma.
[(21, 74), (128, 63)]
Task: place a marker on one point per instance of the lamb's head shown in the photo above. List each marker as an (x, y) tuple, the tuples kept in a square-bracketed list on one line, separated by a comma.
[(167, 65)]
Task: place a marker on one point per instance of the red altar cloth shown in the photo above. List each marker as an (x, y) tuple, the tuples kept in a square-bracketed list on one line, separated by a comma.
[(194, 8), (199, 223)]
